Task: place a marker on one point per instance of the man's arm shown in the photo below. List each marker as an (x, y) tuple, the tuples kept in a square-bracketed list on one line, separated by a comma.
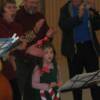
[(95, 19), (66, 22), (43, 29)]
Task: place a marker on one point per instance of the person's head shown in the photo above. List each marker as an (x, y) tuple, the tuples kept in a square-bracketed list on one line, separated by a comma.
[(49, 53), (76, 2), (8, 8), (31, 5)]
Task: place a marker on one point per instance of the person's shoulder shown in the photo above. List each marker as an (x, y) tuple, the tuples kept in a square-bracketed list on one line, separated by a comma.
[(39, 13), (20, 14), (64, 7), (20, 11)]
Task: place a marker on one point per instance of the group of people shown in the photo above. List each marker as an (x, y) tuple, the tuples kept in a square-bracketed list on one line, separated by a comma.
[(31, 67), (35, 52)]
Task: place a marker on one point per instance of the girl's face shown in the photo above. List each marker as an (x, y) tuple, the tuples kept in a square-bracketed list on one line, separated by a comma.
[(48, 56), (10, 10)]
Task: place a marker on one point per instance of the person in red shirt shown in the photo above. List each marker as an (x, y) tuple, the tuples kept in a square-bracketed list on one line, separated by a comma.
[(7, 24), (8, 27)]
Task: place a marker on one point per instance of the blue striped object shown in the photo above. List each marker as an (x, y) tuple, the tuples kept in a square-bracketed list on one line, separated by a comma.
[(6, 44)]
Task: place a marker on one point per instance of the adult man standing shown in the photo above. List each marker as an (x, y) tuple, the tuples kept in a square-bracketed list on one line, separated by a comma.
[(32, 21), (78, 24), (31, 18)]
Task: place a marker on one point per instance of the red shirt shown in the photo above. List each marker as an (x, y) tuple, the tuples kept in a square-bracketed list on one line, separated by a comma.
[(8, 29)]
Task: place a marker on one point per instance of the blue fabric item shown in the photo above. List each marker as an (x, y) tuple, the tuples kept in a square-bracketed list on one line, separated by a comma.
[(81, 32)]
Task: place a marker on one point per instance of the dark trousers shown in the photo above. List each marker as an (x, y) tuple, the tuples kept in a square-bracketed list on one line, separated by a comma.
[(15, 90), (85, 57)]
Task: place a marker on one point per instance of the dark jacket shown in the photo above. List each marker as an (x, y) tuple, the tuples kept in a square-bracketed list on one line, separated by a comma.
[(67, 24), (28, 21), (26, 63)]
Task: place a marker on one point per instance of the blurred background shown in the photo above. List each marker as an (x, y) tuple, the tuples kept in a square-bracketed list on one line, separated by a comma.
[(51, 9)]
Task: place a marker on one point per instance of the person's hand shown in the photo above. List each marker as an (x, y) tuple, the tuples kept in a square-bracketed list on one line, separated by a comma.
[(38, 25), (81, 10), (59, 83), (53, 84), (35, 51), (29, 36)]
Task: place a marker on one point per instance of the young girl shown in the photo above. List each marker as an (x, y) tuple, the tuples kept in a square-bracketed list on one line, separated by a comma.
[(45, 77)]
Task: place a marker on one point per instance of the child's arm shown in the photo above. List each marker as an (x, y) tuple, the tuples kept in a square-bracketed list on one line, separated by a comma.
[(59, 82), (36, 80), (58, 73)]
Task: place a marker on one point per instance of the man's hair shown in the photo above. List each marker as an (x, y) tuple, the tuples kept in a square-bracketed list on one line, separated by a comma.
[(3, 3)]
